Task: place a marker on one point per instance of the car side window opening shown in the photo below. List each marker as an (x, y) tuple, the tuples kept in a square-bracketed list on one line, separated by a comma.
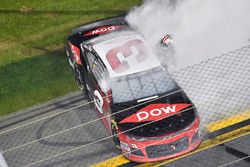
[(91, 59), (96, 67)]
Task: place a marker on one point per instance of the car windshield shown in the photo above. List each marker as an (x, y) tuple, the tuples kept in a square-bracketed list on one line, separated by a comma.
[(141, 85)]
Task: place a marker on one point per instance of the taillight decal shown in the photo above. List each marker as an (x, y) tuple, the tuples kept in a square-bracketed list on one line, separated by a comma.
[(103, 30), (154, 112), (76, 53)]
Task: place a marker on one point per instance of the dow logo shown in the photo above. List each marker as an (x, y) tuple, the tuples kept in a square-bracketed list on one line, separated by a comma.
[(154, 112), (103, 30)]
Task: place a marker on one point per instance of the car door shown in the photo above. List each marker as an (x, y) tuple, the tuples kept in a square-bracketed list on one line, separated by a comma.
[(89, 78), (96, 74)]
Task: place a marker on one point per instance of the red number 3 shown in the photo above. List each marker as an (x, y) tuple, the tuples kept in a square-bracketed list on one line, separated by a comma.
[(117, 56)]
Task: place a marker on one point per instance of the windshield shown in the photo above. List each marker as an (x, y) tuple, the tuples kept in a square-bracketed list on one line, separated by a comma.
[(141, 85)]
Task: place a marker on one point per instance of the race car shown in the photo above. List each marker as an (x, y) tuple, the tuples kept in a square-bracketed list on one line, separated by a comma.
[(148, 115)]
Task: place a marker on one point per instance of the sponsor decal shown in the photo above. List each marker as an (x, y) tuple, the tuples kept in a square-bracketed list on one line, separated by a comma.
[(154, 112), (134, 146), (76, 53), (98, 100), (103, 30), (124, 146), (117, 57)]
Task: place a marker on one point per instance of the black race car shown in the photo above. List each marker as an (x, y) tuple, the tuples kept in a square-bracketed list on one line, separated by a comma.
[(149, 116)]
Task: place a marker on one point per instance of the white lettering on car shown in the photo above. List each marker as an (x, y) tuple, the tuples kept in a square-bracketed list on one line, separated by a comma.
[(167, 109), (95, 32), (103, 30), (155, 112), (98, 100), (142, 115)]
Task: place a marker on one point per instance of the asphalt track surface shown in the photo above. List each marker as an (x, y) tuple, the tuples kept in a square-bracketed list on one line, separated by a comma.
[(59, 143), (88, 155), (224, 154), (219, 88)]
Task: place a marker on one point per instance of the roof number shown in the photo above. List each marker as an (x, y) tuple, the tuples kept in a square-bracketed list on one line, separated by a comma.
[(117, 57)]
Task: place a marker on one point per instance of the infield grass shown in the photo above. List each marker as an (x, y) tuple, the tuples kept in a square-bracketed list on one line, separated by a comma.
[(33, 66)]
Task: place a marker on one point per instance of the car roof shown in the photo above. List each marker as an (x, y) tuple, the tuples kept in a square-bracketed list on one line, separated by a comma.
[(124, 53)]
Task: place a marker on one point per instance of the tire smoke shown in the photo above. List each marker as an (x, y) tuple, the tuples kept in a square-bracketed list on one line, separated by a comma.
[(200, 29)]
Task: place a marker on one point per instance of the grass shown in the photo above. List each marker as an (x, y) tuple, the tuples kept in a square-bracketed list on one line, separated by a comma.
[(33, 67)]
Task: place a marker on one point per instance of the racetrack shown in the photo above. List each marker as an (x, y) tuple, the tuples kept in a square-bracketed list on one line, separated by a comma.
[(61, 142), (81, 157), (218, 87)]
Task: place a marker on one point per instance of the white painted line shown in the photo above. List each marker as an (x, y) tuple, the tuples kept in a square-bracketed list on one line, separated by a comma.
[(235, 161)]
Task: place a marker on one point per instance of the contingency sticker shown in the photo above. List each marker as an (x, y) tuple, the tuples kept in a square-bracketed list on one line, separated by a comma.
[(124, 146)]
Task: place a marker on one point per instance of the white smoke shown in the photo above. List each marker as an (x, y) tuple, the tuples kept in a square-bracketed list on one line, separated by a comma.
[(200, 29)]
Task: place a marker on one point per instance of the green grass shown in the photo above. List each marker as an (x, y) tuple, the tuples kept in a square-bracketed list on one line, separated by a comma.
[(33, 67)]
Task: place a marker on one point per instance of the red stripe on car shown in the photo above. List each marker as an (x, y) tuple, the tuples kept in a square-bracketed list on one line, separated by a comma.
[(76, 53)]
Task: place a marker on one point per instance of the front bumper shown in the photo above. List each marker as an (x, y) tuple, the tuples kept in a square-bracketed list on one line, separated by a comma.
[(157, 150)]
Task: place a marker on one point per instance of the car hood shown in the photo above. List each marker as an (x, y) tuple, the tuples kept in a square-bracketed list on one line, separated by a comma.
[(161, 116)]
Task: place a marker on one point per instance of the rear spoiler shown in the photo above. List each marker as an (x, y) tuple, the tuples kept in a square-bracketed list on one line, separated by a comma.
[(112, 21)]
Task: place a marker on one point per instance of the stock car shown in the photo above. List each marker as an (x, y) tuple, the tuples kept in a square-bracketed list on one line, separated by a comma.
[(148, 115)]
